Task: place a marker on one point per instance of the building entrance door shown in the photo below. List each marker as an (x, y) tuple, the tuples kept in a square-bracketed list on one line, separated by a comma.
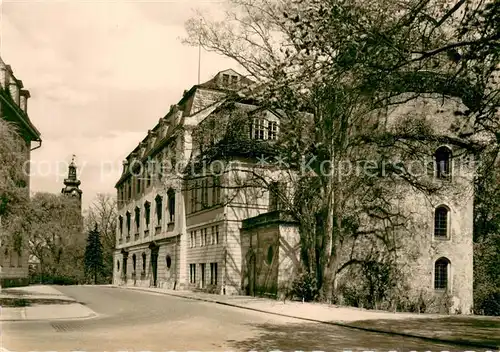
[(154, 262), (154, 267)]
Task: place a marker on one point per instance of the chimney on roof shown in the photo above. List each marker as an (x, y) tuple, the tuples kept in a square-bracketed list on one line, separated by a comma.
[(25, 95), (14, 89), (4, 76), (125, 166)]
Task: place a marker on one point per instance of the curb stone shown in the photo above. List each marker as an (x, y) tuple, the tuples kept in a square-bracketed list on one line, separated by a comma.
[(349, 326), (91, 316)]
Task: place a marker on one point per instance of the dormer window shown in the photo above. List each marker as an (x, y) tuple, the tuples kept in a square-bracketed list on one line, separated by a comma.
[(264, 129), (225, 80), (234, 81)]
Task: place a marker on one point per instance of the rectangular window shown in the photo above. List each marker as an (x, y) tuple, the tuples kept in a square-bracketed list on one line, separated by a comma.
[(195, 196), (138, 185), (216, 190), (192, 273), (194, 238), (205, 237), (259, 129), (194, 192), (234, 81), (202, 269), (213, 273), (225, 80), (212, 235), (273, 130), (205, 194), (217, 234)]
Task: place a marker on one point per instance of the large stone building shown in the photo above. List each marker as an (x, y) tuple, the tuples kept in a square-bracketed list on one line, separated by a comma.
[(186, 224), (14, 108)]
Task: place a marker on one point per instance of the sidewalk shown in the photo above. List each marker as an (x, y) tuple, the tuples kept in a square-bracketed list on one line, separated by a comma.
[(45, 304), (473, 331)]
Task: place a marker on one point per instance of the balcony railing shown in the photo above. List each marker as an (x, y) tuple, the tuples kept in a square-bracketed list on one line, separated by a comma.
[(157, 230), (127, 239), (136, 236), (146, 233)]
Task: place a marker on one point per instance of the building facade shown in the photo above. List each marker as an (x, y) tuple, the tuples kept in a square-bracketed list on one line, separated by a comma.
[(189, 225), (14, 108)]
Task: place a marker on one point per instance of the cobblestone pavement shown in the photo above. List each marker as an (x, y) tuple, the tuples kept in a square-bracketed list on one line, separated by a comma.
[(144, 321)]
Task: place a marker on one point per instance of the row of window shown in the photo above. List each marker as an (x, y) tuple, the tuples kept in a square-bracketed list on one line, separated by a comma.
[(144, 175), (214, 273), (442, 268), (168, 263), (147, 213), (205, 237), (260, 129), (11, 255), (199, 194)]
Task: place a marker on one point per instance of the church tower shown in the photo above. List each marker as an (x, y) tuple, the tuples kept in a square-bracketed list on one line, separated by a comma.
[(72, 183)]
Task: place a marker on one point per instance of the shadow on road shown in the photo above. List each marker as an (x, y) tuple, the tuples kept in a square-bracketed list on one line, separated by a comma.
[(322, 337), (483, 330)]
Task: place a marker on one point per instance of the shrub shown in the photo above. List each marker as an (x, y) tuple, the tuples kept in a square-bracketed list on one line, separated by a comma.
[(305, 287)]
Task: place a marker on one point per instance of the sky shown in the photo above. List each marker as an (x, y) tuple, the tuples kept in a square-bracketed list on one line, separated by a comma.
[(100, 74)]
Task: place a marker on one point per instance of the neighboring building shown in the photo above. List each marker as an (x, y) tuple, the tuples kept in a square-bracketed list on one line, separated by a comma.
[(14, 108), (184, 226)]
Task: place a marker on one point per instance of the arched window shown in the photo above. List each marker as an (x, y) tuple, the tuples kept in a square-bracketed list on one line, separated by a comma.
[(442, 157), (137, 218), (159, 209), (120, 222), (128, 222), (117, 265), (441, 222), (147, 213), (171, 204), (441, 271), (144, 262), (168, 261), (134, 261)]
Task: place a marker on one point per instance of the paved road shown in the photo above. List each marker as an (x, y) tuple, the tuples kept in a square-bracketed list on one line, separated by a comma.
[(141, 321)]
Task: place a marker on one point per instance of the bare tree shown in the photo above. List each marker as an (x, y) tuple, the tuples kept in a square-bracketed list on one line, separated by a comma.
[(103, 212)]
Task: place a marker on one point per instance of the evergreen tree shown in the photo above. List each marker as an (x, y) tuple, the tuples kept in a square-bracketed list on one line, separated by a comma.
[(93, 254)]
